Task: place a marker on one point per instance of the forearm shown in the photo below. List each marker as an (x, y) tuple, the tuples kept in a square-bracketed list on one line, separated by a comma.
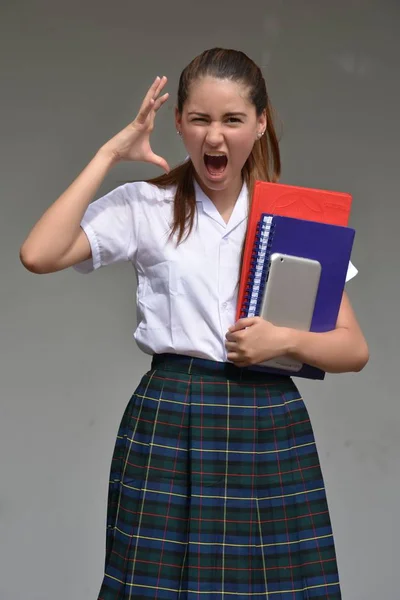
[(58, 228), (338, 351)]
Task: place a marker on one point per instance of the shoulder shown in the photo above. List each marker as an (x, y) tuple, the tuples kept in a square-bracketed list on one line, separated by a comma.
[(147, 193)]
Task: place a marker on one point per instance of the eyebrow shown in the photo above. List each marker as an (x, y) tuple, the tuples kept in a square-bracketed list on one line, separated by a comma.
[(229, 114)]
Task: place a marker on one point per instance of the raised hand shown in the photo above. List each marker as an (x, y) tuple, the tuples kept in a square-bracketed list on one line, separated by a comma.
[(133, 142)]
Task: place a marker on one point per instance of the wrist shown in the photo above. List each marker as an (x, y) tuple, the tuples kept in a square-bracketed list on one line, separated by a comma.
[(107, 156), (291, 341)]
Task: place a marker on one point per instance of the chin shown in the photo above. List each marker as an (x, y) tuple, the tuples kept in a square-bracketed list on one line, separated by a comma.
[(216, 185)]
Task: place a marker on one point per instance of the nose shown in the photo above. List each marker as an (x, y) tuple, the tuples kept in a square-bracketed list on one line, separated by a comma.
[(214, 135)]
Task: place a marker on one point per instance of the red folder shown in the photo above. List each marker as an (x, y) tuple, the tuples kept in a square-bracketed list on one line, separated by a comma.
[(290, 201)]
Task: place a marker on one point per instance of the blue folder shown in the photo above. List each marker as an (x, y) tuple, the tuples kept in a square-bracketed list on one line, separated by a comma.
[(331, 245)]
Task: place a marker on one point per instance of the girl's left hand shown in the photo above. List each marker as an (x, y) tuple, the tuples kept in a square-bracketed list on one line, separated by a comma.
[(254, 340)]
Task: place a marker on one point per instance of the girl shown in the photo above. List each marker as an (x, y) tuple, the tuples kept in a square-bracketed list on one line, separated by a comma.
[(216, 489)]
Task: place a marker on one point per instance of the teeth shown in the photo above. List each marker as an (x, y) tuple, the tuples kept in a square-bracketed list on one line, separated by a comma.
[(215, 154)]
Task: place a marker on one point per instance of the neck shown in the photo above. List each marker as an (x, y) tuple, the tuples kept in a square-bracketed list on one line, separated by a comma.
[(224, 200)]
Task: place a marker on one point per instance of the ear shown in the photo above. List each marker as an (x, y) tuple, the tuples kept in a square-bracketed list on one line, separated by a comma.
[(262, 122), (178, 119)]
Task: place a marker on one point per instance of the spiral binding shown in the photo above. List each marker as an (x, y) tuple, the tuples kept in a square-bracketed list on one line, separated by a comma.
[(259, 265)]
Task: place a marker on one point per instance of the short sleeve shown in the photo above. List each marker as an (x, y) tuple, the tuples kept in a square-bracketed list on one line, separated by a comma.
[(110, 224), (351, 272)]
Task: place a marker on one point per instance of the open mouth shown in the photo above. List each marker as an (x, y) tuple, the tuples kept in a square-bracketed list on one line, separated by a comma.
[(215, 163)]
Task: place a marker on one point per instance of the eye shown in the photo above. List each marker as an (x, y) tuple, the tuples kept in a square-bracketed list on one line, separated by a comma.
[(199, 119), (234, 120)]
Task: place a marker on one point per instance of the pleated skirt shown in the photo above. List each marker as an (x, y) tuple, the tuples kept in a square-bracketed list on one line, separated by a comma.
[(216, 490)]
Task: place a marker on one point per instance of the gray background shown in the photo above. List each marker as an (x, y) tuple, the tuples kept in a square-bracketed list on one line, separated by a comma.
[(72, 75)]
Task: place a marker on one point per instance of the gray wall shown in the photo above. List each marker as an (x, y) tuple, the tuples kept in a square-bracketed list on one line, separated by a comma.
[(72, 75)]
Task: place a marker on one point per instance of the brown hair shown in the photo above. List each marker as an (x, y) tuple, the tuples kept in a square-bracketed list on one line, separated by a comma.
[(263, 162)]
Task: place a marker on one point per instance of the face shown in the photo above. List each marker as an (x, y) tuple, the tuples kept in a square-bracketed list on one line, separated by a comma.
[(219, 126)]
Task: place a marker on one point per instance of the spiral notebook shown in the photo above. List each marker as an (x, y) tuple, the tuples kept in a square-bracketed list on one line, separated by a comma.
[(291, 201), (330, 245)]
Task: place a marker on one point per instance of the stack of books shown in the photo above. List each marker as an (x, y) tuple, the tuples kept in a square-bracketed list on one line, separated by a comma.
[(296, 255)]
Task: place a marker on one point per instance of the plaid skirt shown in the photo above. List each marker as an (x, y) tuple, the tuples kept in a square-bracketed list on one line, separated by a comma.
[(216, 490)]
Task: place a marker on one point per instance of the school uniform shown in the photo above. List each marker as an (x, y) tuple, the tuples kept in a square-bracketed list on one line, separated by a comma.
[(216, 489)]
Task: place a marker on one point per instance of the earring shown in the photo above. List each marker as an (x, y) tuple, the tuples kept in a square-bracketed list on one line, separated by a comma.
[(179, 132), (260, 134)]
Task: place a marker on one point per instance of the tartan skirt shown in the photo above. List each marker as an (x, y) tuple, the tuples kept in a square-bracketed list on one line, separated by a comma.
[(216, 490)]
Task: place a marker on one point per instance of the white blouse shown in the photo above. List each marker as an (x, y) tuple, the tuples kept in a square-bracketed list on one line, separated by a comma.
[(186, 294)]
